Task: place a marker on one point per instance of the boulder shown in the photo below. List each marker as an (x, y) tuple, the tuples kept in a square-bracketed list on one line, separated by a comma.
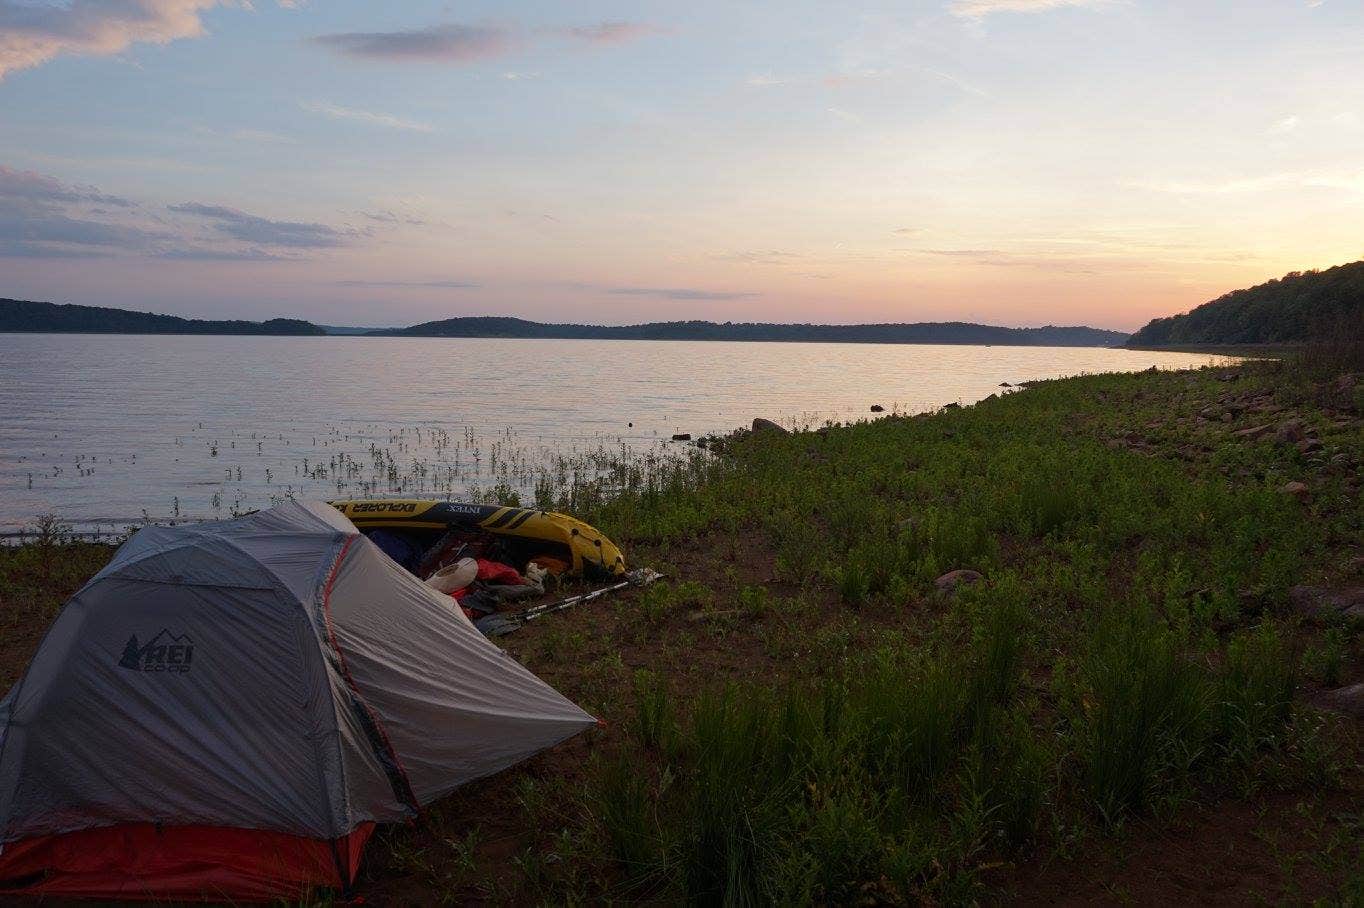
[(1297, 489), (877, 408), (1319, 602), (1291, 431), (948, 583), (1253, 433), (1309, 446), (682, 436), (1005, 384), (1348, 701), (767, 425)]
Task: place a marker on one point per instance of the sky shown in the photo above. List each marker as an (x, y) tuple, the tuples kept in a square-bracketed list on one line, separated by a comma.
[(1016, 162)]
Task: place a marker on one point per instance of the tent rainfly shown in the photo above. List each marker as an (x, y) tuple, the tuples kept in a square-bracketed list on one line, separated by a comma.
[(227, 710)]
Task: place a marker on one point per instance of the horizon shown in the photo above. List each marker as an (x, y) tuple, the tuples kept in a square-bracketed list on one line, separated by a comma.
[(1018, 163)]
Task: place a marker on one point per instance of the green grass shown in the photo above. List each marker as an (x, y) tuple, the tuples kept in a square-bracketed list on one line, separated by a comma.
[(797, 715)]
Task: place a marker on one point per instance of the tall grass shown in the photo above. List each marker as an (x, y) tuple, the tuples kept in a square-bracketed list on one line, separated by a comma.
[(1139, 709), (814, 792)]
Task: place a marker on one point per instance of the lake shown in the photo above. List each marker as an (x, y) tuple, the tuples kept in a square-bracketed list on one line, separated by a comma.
[(106, 431)]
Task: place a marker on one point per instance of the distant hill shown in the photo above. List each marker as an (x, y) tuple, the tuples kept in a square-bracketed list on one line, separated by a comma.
[(1299, 307), (920, 333), (348, 330), (21, 315)]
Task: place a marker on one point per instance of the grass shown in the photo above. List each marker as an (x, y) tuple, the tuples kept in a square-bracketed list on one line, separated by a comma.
[(798, 715)]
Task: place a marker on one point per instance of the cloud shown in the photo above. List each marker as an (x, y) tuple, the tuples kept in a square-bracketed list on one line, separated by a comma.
[(37, 187), (39, 232), (908, 231), (764, 81), (336, 112), (454, 43), (448, 285), (199, 254), (432, 44), (608, 32), (252, 229), (32, 33), (979, 9), (768, 257), (43, 217), (1350, 181), (679, 293), (1285, 125), (385, 216)]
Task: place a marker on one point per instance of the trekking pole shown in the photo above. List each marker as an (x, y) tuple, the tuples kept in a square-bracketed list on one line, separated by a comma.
[(498, 625)]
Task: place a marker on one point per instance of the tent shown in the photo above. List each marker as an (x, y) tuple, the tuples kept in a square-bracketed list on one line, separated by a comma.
[(227, 710)]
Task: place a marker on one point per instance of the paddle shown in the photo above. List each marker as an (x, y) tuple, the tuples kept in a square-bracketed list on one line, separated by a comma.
[(496, 625)]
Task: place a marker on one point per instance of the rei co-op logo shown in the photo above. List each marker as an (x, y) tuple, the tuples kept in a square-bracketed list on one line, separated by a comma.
[(166, 652)]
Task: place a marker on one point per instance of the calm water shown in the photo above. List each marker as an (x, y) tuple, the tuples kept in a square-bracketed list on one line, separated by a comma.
[(112, 430)]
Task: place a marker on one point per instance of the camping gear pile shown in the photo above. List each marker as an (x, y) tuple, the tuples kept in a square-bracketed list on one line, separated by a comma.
[(227, 709), (422, 535), (484, 556)]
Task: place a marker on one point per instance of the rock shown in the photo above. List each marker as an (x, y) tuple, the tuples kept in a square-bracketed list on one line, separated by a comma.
[(1211, 412), (877, 408), (952, 406), (948, 583), (1309, 446), (682, 436), (1228, 376), (1348, 701), (1253, 433), (1291, 431), (767, 425), (1346, 383), (1297, 489), (1340, 462), (1005, 384), (1316, 601)]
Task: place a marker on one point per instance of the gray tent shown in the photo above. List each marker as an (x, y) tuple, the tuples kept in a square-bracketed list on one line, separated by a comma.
[(227, 709)]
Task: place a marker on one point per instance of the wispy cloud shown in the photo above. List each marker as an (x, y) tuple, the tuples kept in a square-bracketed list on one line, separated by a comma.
[(336, 112), (768, 257), (458, 43), (447, 285), (37, 187), (979, 9), (201, 254), (1284, 125), (34, 33), (31, 232), (432, 44), (764, 81), (44, 217), (680, 293), (250, 228), (608, 32), (387, 216), (1346, 180)]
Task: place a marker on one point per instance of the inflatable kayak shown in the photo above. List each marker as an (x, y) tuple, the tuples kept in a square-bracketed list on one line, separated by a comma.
[(529, 532)]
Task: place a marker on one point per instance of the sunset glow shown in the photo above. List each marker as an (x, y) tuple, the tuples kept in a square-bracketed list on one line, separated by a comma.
[(1017, 162)]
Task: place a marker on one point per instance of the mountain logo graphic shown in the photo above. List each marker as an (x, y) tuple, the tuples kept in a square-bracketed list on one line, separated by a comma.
[(165, 652)]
